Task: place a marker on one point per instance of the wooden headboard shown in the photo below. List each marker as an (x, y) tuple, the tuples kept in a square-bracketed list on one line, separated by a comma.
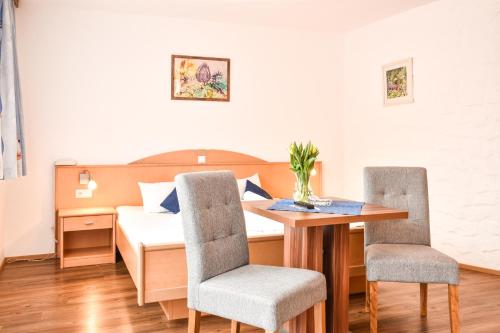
[(117, 184)]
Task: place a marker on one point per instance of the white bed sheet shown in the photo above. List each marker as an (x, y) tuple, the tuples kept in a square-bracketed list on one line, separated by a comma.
[(166, 228)]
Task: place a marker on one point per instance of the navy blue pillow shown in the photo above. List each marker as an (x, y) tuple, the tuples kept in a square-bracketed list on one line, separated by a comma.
[(171, 203), (251, 187)]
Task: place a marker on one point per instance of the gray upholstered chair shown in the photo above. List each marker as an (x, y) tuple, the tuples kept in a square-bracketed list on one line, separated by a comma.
[(400, 251), (220, 280)]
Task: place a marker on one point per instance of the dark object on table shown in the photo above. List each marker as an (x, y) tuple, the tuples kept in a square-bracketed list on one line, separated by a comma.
[(304, 204)]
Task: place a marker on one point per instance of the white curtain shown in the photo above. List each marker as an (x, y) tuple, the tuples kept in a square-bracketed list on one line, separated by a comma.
[(12, 159)]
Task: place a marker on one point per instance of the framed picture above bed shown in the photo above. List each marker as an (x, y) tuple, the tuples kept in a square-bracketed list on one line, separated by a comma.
[(200, 78), (398, 82)]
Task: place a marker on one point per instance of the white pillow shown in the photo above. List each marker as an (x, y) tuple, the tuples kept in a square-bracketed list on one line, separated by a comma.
[(250, 196), (242, 183), (153, 195)]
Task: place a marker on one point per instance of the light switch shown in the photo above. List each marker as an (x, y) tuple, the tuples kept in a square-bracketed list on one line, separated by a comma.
[(202, 159)]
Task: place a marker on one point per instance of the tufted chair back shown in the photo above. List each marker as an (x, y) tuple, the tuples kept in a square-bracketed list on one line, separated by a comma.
[(214, 226), (398, 188)]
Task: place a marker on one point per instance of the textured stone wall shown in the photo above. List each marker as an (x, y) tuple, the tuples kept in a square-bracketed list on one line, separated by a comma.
[(453, 128)]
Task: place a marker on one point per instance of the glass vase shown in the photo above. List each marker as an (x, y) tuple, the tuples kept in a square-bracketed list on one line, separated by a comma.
[(302, 188)]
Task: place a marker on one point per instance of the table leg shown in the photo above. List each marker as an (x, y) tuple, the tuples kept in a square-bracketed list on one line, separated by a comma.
[(328, 271), (336, 262), (303, 249)]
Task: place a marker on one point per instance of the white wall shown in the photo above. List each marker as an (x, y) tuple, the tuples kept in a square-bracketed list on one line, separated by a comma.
[(453, 128), (2, 220), (96, 88)]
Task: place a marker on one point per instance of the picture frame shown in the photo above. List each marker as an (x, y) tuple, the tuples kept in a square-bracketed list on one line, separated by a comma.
[(398, 82), (198, 78)]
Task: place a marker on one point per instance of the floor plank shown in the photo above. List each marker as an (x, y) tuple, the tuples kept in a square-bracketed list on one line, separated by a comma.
[(39, 297), (399, 307)]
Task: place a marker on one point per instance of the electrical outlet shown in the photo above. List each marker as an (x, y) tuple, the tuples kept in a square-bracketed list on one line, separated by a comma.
[(83, 193)]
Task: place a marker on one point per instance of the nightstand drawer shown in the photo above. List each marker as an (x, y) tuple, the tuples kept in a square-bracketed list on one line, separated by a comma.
[(88, 222)]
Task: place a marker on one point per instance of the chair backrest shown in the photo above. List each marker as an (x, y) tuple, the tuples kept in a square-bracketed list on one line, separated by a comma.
[(398, 188), (214, 226)]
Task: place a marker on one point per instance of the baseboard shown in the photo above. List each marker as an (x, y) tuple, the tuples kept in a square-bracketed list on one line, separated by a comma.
[(480, 269), (32, 257)]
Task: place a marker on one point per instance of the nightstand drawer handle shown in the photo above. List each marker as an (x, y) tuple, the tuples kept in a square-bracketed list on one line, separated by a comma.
[(89, 223)]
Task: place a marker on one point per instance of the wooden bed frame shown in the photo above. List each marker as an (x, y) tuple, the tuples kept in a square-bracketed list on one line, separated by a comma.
[(159, 272)]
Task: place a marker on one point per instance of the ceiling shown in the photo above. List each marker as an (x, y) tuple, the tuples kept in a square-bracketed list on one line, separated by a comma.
[(331, 15)]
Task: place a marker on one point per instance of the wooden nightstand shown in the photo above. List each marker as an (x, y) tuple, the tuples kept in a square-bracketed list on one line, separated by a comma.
[(86, 236)]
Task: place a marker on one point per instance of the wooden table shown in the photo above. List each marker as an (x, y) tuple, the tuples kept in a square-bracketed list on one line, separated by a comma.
[(321, 242)]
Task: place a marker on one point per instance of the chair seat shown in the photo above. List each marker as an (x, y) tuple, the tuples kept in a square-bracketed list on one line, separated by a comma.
[(262, 296), (409, 263)]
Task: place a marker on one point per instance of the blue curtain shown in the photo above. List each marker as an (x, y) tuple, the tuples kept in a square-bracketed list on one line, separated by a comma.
[(13, 158)]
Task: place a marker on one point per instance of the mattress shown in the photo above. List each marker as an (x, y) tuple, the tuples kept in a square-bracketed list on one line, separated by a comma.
[(166, 228)]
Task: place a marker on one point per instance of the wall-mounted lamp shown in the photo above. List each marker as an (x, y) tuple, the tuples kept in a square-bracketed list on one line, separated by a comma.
[(92, 185), (86, 179)]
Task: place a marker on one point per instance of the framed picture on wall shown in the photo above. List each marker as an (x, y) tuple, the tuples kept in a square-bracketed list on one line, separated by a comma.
[(398, 82), (200, 78)]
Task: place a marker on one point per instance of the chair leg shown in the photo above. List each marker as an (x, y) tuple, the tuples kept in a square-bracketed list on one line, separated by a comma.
[(423, 299), (367, 297), (235, 326), (319, 317), (453, 303), (373, 286), (194, 321)]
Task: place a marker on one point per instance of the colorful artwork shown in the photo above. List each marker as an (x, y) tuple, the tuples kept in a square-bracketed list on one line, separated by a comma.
[(398, 82), (200, 78)]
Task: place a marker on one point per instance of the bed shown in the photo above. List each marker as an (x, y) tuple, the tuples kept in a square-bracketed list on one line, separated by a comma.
[(152, 246), (156, 262), (159, 229), (157, 266)]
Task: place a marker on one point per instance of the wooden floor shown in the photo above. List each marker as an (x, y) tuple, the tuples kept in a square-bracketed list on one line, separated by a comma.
[(39, 297)]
